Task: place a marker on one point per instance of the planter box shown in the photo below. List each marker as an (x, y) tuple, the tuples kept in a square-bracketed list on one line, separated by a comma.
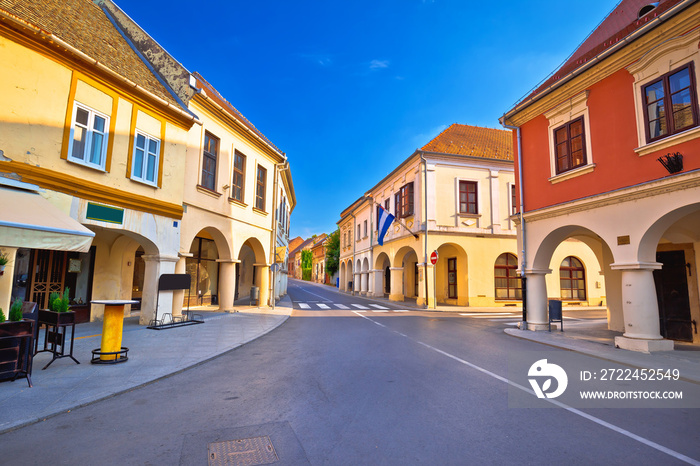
[(56, 318), (16, 350)]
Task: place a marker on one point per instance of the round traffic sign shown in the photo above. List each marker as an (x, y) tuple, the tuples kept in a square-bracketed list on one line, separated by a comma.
[(434, 257)]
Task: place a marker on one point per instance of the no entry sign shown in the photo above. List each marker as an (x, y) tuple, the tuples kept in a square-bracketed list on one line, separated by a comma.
[(434, 257)]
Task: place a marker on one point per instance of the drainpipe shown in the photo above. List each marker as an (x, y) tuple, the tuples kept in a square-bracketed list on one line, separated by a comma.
[(523, 255), (425, 226), (354, 243), (371, 239)]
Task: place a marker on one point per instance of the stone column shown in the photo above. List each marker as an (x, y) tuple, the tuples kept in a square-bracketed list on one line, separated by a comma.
[(227, 284), (156, 265), (262, 279), (377, 283), (396, 290), (356, 285), (363, 283), (537, 308), (179, 295), (640, 309)]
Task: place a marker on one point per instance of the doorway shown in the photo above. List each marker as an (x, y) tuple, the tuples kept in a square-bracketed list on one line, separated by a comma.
[(673, 297)]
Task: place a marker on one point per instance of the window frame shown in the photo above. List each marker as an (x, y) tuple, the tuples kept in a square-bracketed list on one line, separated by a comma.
[(89, 130), (241, 172), (260, 187), (670, 123), (510, 273), (144, 161), (475, 184), (567, 126), (213, 157), (404, 199), (571, 279)]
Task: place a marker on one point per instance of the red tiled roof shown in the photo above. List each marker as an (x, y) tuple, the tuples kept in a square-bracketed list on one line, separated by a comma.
[(84, 26), (620, 23), (473, 141), (219, 99)]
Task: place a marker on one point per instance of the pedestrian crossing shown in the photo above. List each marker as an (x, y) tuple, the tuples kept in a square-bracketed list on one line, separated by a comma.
[(375, 308)]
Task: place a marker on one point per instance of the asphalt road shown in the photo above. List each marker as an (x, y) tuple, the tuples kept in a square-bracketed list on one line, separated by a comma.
[(346, 385)]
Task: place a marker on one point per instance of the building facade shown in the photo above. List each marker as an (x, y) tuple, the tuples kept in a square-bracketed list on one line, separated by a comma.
[(607, 157), (95, 132), (454, 196), (238, 191)]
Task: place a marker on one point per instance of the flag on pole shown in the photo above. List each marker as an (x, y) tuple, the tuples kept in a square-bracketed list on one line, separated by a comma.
[(383, 222)]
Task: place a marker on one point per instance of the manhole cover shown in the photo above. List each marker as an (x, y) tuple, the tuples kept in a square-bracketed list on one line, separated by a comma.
[(246, 451)]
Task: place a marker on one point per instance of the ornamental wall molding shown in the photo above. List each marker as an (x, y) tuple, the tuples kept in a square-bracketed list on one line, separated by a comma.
[(651, 189)]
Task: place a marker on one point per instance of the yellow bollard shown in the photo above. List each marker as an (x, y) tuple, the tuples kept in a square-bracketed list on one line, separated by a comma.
[(112, 327)]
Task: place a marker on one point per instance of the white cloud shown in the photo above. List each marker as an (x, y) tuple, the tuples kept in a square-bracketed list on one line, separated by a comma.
[(318, 58), (378, 64)]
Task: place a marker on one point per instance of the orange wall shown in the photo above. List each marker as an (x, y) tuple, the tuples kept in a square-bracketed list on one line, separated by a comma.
[(613, 138)]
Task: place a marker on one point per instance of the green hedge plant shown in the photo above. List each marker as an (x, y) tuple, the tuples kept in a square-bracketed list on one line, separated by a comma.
[(16, 310)]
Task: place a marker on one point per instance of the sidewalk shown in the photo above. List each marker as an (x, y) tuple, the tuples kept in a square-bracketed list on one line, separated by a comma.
[(153, 354), (591, 338)]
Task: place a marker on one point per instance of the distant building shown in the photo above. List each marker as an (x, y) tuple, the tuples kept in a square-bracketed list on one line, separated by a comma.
[(453, 196), (607, 156)]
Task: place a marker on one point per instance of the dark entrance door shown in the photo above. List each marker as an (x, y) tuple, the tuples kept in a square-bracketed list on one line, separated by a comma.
[(387, 280), (238, 279), (672, 295), (452, 278)]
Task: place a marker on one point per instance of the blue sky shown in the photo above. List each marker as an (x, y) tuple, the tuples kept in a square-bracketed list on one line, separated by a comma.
[(349, 89)]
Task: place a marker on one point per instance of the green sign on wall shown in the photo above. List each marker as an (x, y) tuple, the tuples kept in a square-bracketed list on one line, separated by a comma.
[(104, 213)]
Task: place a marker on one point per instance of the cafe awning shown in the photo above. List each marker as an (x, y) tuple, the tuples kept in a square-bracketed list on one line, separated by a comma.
[(27, 220)]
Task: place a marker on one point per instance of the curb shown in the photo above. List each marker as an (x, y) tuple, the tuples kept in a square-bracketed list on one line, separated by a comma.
[(31, 421)]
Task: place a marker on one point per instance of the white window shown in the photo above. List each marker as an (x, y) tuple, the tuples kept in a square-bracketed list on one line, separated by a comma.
[(144, 165), (89, 135)]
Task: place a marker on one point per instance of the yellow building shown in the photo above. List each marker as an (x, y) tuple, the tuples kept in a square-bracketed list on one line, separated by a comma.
[(463, 183), (238, 191), (86, 124)]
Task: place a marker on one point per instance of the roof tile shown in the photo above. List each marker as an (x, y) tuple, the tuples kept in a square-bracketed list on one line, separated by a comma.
[(473, 141), (83, 25)]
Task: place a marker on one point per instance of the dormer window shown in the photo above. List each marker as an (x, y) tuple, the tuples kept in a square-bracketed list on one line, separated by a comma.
[(646, 9)]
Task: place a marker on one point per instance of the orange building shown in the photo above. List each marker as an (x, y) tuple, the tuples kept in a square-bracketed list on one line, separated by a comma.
[(606, 153)]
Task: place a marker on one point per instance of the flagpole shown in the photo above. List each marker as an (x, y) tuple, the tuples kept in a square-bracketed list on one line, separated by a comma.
[(396, 219)]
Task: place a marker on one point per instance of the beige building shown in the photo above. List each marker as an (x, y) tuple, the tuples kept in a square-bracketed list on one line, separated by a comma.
[(462, 183), (238, 191)]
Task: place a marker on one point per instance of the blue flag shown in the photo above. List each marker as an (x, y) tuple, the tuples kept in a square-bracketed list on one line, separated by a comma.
[(383, 222)]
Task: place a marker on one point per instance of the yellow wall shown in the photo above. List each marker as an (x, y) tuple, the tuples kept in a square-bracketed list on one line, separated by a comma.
[(38, 100)]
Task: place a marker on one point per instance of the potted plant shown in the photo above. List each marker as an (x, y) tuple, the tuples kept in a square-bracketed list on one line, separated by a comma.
[(59, 312), (3, 262), (16, 337)]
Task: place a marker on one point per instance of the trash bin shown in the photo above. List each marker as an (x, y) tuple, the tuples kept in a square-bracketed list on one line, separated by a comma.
[(349, 286), (337, 282), (555, 313), (255, 295)]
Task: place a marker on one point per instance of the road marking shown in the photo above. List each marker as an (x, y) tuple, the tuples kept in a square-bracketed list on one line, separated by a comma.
[(341, 306), (379, 311), (304, 306), (360, 306), (487, 314), (359, 311), (568, 408), (323, 306), (400, 310), (377, 306), (502, 320)]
